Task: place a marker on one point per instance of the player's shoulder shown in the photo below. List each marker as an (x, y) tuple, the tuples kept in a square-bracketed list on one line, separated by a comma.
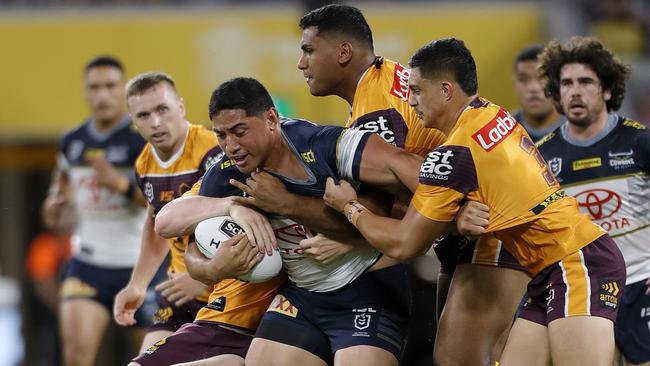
[(551, 139), (78, 132), (216, 180), (144, 159), (201, 133), (630, 125)]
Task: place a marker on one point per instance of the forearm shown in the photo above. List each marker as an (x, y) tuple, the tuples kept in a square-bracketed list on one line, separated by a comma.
[(153, 250), (314, 214), (180, 216)]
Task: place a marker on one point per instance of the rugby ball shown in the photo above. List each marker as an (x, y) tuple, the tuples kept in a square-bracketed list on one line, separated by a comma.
[(211, 232)]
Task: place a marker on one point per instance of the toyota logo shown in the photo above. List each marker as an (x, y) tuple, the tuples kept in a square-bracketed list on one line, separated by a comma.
[(600, 203)]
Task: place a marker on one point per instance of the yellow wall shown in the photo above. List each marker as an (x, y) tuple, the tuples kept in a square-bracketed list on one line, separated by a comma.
[(43, 54)]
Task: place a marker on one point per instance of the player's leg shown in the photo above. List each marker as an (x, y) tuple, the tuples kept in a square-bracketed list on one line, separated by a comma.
[(632, 329), (152, 337), (526, 345), (222, 360), (168, 318), (82, 323), (369, 354), (582, 340), (463, 338), (265, 352)]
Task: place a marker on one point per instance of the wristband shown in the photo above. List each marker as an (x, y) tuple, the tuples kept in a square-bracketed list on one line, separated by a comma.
[(353, 211)]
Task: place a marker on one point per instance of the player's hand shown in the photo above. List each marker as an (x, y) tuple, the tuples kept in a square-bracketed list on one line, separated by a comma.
[(472, 218), (107, 176), (234, 257), (324, 249), (337, 195), (126, 303), (265, 192), (59, 213), (180, 288), (256, 225)]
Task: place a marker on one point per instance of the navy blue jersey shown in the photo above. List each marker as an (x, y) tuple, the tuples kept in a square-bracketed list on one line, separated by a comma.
[(609, 177), (108, 233), (324, 151)]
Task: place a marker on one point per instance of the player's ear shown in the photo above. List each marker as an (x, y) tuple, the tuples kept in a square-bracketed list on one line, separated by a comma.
[(447, 89), (607, 95), (272, 118), (181, 105), (345, 52)]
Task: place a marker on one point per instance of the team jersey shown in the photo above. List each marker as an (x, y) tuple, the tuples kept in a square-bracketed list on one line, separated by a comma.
[(110, 224), (323, 151), (162, 181), (609, 177), (489, 157), (535, 133), (381, 106)]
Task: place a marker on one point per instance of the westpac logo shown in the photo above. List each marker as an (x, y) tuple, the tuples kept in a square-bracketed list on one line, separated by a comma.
[(400, 87), (490, 135), (380, 126), (438, 165)]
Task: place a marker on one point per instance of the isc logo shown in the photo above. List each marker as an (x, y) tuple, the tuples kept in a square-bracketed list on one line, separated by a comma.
[(496, 130), (381, 127), (437, 165), (230, 228)]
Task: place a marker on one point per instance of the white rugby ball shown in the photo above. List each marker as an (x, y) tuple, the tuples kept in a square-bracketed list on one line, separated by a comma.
[(211, 232)]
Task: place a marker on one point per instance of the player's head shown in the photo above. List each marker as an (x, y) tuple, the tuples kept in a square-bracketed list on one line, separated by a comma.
[(528, 87), (104, 88), (245, 120), (443, 73), (583, 78), (157, 111), (332, 37)]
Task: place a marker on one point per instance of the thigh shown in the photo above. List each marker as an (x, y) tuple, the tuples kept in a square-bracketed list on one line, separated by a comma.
[(493, 292), (82, 323), (266, 352), (369, 354), (223, 360), (582, 340), (527, 344)]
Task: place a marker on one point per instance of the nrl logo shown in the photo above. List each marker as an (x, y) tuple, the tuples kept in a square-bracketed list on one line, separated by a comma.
[(555, 165), (363, 317)]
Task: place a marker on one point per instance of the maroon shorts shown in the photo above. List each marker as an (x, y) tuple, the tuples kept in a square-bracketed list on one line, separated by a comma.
[(195, 341), (589, 282), (487, 251), (171, 317)]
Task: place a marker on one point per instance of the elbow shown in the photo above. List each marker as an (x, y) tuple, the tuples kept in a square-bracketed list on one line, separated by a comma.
[(162, 225), (403, 252)]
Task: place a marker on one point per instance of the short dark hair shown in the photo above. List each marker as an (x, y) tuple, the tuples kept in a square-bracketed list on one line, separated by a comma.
[(240, 93), (447, 56), (338, 18), (530, 53), (100, 61), (611, 71), (145, 81)]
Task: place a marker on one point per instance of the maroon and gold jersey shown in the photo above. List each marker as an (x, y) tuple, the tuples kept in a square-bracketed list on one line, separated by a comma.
[(488, 157), (381, 106), (162, 181)]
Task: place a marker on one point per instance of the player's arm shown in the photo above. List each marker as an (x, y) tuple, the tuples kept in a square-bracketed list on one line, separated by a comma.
[(58, 210), (153, 250), (400, 239), (109, 177)]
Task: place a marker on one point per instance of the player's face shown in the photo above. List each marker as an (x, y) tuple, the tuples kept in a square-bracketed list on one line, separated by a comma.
[(159, 116), (426, 99), (245, 139), (529, 90), (104, 91), (318, 62), (581, 94)]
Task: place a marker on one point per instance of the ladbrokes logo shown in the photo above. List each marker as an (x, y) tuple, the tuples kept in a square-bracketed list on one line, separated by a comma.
[(608, 293), (496, 130), (438, 165), (599, 203), (400, 86)]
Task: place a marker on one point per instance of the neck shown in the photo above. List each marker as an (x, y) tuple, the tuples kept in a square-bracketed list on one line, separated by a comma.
[(282, 161), (357, 68), (541, 121), (588, 131), (455, 112), (103, 125), (166, 154)]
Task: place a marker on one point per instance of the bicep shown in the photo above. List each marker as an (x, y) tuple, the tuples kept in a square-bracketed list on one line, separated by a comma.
[(388, 166)]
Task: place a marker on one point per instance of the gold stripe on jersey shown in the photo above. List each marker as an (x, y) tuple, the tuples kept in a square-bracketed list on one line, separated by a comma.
[(381, 105), (488, 157), (240, 303)]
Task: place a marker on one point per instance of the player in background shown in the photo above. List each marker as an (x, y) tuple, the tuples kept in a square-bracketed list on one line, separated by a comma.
[(603, 160), (177, 154), (95, 167), (577, 255), (537, 113)]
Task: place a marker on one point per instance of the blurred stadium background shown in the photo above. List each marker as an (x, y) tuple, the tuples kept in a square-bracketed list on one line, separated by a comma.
[(46, 43)]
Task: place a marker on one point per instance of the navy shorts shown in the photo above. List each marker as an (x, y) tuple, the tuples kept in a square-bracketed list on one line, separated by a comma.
[(195, 341), (83, 280), (171, 317), (632, 329), (589, 282), (372, 310)]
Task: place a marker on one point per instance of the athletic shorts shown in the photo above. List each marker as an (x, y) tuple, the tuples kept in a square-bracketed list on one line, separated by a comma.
[(170, 317), (195, 341), (372, 310), (632, 329), (588, 282), (487, 250), (83, 280)]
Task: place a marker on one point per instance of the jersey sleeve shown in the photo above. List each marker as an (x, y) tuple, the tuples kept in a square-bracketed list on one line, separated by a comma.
[(216, 182), (210, 158), (642, 150), (447, 175), (349, 149)]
